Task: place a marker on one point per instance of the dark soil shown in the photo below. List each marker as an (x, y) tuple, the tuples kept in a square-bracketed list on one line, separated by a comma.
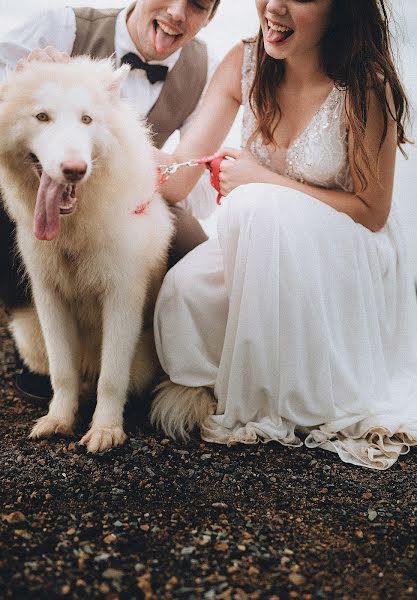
[(155, 519)]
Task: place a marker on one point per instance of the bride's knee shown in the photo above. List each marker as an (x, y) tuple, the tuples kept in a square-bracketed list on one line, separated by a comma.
[(258, 202)]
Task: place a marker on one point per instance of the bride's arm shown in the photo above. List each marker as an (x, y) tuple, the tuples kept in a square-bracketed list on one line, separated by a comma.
[(208, 130), (369, 207)]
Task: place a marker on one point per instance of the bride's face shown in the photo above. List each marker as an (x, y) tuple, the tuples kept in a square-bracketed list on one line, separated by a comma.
[(293, 27)]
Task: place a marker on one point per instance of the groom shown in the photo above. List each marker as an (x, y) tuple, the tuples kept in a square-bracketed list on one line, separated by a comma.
[(170, 70)]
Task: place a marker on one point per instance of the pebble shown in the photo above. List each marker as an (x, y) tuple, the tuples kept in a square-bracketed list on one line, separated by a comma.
[(187, 550), (14, 517), (113, 574), (296, 579), (101, 557), (193, 521)]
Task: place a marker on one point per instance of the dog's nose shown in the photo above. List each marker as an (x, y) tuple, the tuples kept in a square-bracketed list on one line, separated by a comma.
[(74, 170)]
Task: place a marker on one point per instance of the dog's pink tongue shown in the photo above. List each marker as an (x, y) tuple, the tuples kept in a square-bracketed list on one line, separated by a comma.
[(163, 41), (46, 225)]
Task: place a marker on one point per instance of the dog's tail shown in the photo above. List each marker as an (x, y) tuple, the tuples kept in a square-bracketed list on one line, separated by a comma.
[(177, 409)]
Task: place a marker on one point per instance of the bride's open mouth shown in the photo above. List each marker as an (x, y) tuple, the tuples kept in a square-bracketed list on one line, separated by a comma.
[(278, 33), (67, 200)]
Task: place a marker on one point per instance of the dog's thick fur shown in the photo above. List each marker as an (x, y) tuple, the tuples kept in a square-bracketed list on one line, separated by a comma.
[(95, 283), (177, 409)]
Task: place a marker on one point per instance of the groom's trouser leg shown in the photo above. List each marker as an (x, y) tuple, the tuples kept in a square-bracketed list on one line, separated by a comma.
[(14, 288), (188, 234)]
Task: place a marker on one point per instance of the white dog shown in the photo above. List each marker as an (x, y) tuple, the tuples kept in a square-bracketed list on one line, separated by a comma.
[(77, 177)]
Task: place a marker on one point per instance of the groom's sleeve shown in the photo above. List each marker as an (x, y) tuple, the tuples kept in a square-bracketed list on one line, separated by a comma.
[(54, 27)]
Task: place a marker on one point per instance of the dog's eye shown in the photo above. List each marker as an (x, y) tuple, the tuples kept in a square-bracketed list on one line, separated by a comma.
[(86, 119), (42, 117)]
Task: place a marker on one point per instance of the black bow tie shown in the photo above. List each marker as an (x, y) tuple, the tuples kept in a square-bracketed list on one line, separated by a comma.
[(154, 73)]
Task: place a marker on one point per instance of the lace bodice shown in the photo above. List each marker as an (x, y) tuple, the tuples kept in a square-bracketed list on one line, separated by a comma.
[(319, 155)]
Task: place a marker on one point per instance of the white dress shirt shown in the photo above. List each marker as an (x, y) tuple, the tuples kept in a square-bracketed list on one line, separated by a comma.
[(57, 28)]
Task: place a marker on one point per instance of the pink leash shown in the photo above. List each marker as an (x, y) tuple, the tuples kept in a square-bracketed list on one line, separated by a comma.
[(212, 163)]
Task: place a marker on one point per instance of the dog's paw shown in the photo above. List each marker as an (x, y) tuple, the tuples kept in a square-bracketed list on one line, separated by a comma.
[(99, 439), (48, 426)]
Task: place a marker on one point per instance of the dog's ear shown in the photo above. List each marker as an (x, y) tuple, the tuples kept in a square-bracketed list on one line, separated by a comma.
[(118, 78)]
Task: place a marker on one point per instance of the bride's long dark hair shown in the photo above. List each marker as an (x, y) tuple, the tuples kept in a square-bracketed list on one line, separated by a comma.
[(356, 53)]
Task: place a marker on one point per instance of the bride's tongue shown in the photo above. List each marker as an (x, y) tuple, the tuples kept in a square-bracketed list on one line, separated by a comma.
[(163, 41), (273, 37), (48, 200)]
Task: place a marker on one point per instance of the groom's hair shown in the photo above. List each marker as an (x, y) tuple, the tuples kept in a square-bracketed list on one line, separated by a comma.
[(215, 6)]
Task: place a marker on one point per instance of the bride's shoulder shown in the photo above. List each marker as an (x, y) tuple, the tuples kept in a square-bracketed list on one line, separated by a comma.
[(235, 54), (232, 63), (242, 55)]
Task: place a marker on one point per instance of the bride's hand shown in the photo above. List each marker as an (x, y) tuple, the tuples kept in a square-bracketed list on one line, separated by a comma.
[(241, 170)]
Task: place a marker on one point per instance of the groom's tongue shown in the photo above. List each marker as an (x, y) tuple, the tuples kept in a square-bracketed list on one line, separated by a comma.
[(46, 225), (163, 41)]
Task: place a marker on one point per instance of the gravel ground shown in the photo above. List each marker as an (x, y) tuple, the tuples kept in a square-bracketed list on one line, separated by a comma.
[(155, 519)]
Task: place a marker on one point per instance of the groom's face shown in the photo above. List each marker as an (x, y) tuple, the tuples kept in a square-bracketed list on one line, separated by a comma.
[(160, 27)]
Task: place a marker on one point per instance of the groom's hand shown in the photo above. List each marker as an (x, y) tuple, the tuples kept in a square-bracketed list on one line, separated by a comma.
[(48, 54)]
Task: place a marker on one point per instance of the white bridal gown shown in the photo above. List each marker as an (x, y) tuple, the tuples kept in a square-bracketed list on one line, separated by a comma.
[(298, 317)]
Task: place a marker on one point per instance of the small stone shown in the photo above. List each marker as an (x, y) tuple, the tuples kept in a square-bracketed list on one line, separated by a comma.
[(222, 547), (22, 533), (110, 538), (359, 534), (14, 517), (187, 550), (113, 574), (65, 589), (144, 584), (165, 442), (233, 568), (296, 579), (219, 505), (101, 557), (367, 495), (204, 540), (104, 588), (372, 514)]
